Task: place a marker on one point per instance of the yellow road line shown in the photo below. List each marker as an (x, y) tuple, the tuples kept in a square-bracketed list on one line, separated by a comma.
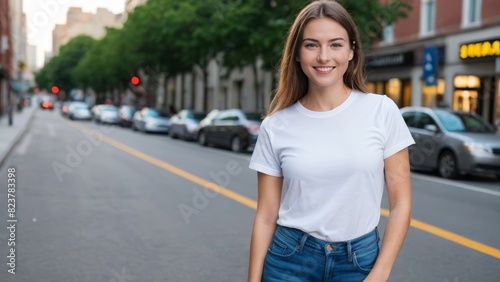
[(450, 236)]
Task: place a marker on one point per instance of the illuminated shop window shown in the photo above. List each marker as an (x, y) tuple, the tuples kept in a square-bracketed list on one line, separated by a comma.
[(432, 95), (376, 87), (466, 93), (466, 81), (497, 119), (393, 89)]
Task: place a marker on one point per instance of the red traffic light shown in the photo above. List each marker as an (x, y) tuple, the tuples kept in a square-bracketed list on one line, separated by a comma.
[(55, 89), (135, 80)]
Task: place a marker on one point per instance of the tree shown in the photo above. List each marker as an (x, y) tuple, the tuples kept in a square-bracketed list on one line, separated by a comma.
[(69, 56)]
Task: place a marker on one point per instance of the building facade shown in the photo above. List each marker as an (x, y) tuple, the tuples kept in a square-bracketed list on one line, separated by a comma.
[(83, 23), (19, 48), (458, 41), (5, 55)]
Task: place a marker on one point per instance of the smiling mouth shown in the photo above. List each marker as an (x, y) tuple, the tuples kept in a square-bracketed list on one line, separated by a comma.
[(324, 69)]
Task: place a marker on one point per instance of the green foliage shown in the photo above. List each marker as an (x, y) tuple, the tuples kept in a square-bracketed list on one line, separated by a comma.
[(173, 36)]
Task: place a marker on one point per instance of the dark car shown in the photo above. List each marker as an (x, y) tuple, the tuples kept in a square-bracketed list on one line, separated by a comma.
[(452, 142), (232, 129), (185, 124), (47, 102), (126, 115)]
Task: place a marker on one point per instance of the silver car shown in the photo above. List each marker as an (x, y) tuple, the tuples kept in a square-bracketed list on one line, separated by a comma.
[(452, 142), (78, 110), (151, 120)]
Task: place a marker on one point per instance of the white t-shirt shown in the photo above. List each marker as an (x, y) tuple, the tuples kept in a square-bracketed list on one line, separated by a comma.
[(332, 163)]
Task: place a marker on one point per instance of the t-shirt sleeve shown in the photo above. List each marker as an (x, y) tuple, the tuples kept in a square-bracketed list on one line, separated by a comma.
[(264, 158), (397, 135)]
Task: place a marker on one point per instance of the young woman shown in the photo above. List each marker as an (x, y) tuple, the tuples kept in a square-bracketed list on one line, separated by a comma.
[(331, 147)]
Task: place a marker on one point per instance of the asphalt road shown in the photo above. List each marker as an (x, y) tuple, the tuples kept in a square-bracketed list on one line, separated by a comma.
[(115, 205)]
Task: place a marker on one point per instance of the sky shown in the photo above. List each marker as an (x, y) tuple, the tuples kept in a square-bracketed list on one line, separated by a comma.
[(43, 15)]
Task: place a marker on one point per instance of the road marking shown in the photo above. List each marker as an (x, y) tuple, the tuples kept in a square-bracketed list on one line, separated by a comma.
[(458, 185), (450, 236), (25, 143)]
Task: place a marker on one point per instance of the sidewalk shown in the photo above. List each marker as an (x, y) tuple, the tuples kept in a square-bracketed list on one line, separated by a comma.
[(10, 135)]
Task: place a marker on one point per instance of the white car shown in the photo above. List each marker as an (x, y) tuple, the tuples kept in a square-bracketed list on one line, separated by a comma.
[(79, 110)]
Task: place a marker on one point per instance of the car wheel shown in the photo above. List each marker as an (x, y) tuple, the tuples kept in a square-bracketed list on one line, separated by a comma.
[(236, 144), (202, 139), (447, 165)]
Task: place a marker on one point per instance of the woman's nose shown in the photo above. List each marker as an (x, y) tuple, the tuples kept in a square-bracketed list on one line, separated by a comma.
[(323, 55)]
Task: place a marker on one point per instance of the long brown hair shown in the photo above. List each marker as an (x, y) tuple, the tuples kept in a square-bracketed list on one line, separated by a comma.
[(293, 83)]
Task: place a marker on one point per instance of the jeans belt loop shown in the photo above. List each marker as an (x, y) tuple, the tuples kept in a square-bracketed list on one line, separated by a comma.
[(303, 241), (349, 251)]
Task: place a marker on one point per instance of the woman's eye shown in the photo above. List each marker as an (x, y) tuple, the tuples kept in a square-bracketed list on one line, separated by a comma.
[(310, 45), (336, 45)]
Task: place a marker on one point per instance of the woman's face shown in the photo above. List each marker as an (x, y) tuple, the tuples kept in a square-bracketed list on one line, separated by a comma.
[(324, 53)]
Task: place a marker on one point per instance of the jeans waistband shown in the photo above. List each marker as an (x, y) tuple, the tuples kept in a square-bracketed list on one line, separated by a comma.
[(341, 247)]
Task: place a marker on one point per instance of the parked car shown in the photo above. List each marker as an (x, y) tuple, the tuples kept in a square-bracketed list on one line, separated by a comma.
[(452, 142), (103, 113), (78, 110), (185, 124), (126, 115), (208, 119), (232, 129), (151, 120), (64, 108)]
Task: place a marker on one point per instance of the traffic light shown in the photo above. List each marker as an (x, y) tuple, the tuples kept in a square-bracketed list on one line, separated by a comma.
[(55, 89), (135, 80)]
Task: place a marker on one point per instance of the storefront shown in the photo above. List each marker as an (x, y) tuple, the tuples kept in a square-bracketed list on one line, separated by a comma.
[(475, 79), (399, 76), (389, 74)]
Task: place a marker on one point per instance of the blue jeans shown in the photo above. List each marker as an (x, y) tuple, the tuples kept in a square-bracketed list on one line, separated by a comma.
[(296, 256)]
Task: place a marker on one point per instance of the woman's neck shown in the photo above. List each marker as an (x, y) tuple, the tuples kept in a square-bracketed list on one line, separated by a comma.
[(321, 100)]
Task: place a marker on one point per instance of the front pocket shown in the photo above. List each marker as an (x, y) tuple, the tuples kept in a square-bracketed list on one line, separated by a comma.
[(282, 245), (364, 260)]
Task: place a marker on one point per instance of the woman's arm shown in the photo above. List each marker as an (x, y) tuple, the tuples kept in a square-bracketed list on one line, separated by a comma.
[(264, 223), (398, 182)]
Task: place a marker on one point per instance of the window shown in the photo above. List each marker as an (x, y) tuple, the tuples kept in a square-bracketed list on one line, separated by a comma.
[(471, 13), (428, 17), (388, 35), (409, 118), (425, 120)]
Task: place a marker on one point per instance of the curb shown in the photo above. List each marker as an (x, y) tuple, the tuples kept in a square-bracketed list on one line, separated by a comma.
[(20, 133)]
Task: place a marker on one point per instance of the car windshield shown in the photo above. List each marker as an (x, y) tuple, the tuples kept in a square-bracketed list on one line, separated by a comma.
[(156, 114), (464, 122), (197, 116), (81, 107), (253, 116), (110, 110)]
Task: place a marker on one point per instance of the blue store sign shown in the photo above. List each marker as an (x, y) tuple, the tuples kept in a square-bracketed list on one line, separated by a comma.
[(430, 65)]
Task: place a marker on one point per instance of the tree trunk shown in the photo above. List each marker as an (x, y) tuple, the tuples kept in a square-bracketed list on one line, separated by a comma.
[(256, 84), (193, 90)]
